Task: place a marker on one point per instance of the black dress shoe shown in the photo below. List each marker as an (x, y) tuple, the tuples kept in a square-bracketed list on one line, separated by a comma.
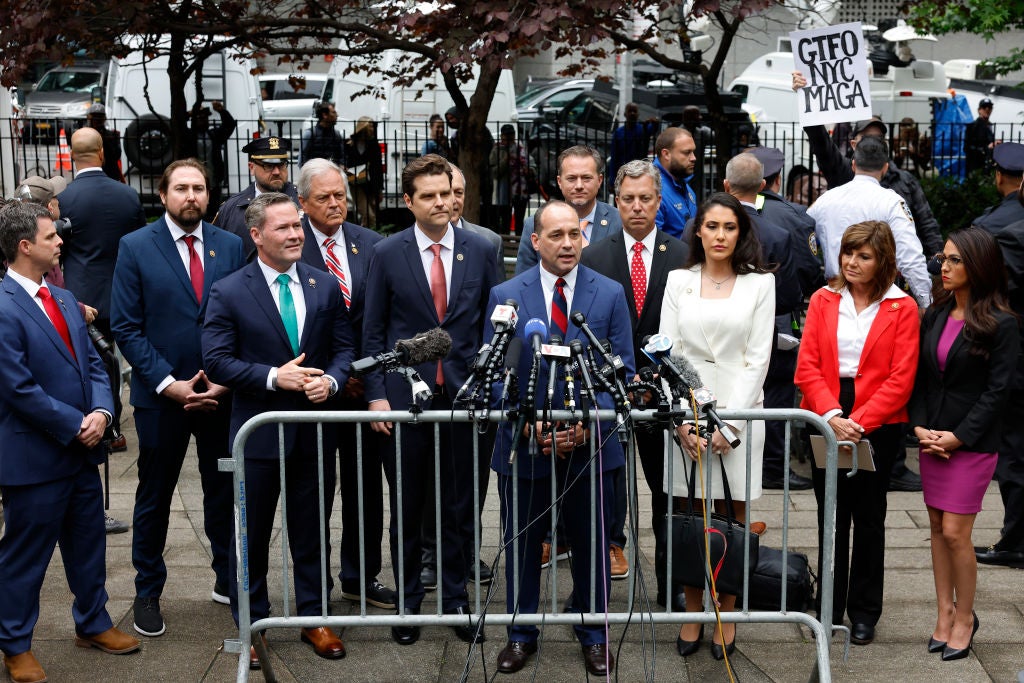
[(688, 647), (486, 575), (377, 594), (406, 635), (796, 482), (428, 577), (1002, 558), (468, 633), (513, 656), (862, 634), (599, 661), (908, 481), (951, 653)]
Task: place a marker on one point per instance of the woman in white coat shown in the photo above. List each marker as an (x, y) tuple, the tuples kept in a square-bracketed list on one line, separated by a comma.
[(719, 312)]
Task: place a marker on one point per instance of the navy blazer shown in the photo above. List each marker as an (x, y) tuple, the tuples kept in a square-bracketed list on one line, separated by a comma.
[(603, 303), (154, 313), (969, 397), (244, 337), (231, 216), (101, 211), (399, 306), (607, 221), (358, 246), (608, 257), (45, 392)]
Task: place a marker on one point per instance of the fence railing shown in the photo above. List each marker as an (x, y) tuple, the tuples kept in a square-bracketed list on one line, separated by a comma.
[(487, 608)]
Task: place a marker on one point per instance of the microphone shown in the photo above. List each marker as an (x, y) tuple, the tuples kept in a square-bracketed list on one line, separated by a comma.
[(553, 352), (536, 331), (618, 391), (705, 399), (581, 322), (657, 348), (576, 347), (503, 318), (425, 347), (512, 353)]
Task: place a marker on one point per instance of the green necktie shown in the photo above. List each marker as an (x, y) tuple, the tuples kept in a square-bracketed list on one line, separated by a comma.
[(291, 325)]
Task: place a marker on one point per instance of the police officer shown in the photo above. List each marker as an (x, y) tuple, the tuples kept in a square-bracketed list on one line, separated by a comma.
[(1009, 161), (268, 164)]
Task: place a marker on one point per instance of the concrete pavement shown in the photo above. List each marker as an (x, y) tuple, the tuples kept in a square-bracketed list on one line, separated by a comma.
[(196, 627)]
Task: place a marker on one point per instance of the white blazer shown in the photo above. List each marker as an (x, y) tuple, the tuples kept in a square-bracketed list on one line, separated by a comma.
[(729, 342)]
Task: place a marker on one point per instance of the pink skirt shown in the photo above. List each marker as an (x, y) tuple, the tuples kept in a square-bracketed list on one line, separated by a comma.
[(958, 484)]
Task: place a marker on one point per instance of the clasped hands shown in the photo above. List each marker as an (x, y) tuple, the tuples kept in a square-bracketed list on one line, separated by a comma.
[(937, 442), (845, 430), (293, 377), (184, 392), (690, 438), (565, 439)]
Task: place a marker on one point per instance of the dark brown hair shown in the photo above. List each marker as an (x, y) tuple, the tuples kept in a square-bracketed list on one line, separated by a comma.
[(878, 236), (191, 162), (747, 256), (428, 164)]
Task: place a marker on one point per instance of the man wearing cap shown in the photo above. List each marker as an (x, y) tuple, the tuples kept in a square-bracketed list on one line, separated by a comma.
[(979, 138), (102, 211), (1008, 551), (96, 118), (268, 163), (1009, 162), (836, 169)]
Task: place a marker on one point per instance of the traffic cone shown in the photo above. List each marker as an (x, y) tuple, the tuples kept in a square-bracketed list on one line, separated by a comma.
[(63, 154)]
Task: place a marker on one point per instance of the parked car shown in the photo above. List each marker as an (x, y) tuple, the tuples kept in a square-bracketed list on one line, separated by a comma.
[(552, 95), (62, 97)]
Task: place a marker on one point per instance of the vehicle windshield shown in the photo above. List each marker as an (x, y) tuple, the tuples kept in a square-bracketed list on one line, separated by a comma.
[(69, 81), (293, 88)]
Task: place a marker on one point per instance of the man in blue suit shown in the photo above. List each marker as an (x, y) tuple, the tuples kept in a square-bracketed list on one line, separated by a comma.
[(580, 178), (344, 249), (162, 280), (55, 404), (557, 286), (277, 334), (429, 275)]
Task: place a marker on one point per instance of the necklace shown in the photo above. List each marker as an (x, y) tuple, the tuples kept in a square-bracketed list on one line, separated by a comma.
[(718, 285)]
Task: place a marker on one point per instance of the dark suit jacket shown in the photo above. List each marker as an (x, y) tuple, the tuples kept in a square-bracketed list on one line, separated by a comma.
[(794, 219), (244, 337), (968, 398), (491, 236), (102, 211), (603, 303), (358, 246), (45, 391), (778, 249), (231, 216), (154, 314), (608, 257), (399, 306), (606, 222)]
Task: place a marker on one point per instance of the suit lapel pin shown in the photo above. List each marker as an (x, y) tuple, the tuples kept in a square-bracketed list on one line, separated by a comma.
[(689, 290), (312, 283), (604, 221), (354, 250), (662, 247), (460, 257), (895, 305), (213, 254)]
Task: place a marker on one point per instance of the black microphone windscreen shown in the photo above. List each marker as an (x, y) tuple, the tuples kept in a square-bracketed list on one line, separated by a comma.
[(513, 303), (578, 318), (424, 347), (512, 353), (688, 372)]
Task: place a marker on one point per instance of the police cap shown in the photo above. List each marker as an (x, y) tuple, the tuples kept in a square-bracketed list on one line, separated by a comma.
[(272, 150)]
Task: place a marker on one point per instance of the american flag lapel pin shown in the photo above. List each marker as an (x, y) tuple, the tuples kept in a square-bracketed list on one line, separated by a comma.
[(312, 283)]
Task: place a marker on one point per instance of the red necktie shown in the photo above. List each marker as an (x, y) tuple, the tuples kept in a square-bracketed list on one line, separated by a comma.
[(560, 308), (439, 292), (334, 265), (53, 312), (195, 267), (638, 274)]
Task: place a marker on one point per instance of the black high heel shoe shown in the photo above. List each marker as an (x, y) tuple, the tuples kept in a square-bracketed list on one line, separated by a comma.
[(951, 653), (688, 647), (935, 645), (718, 652)]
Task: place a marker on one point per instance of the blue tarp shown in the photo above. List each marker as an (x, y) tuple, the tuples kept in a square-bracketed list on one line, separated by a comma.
[(951, 117)]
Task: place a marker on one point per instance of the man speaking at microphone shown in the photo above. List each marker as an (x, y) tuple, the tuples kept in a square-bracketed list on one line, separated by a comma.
[(429, 275), (552, 291), (640, 258)]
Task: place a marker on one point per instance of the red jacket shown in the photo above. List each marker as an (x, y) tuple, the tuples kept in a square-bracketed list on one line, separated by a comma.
[(888, 362)]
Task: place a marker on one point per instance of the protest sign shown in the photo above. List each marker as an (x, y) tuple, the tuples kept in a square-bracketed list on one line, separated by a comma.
[(834, 61)]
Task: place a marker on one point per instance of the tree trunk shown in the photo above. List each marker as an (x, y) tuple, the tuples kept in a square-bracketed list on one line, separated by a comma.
[(474, 142), (181, 139)]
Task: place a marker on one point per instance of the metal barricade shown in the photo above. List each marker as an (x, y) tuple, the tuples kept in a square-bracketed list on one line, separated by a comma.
[(484, 607)]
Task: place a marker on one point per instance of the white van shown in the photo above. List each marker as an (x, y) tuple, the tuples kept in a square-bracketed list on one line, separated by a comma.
[(144, 132)]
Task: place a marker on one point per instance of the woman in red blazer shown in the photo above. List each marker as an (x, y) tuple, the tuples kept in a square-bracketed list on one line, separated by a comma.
[(856, 369)]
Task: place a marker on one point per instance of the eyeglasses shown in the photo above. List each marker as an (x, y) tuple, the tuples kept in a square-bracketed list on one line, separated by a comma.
[(268, 167), (953, 260)]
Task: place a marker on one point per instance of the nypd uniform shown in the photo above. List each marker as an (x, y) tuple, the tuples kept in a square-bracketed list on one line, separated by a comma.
[(1009, 160), (864, 199), (231, 217)]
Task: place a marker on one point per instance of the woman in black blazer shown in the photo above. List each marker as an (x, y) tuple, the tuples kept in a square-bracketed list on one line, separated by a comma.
[(969, 346)]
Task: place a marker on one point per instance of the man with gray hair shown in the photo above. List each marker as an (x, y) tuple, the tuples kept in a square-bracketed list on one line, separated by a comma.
[(864, 199), (639, 258), (343, 249)]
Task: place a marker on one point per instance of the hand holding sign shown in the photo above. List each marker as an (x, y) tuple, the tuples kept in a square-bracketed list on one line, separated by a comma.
[(834, 60)]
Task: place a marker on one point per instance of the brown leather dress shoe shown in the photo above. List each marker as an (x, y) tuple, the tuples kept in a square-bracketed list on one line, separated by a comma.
[(513, 656), (111, 641), (24, 668), (325, 643), (600, 662), (758, 528), (119, 445)]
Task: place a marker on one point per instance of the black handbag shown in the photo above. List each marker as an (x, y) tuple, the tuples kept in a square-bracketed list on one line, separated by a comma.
[(766, 582), (726, 538)]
